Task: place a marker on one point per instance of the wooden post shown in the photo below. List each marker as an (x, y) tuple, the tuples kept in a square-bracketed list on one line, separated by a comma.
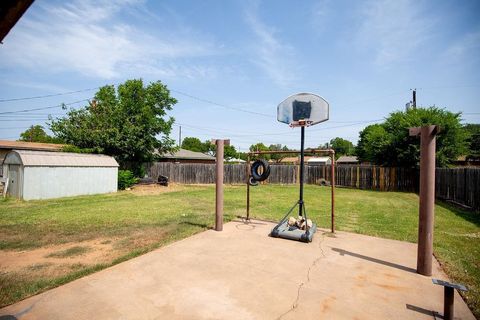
[(219, 188), (332, 183), (351, 177), (427, 197), (382, 179), (248, 187), (219, 183), (358, 177)]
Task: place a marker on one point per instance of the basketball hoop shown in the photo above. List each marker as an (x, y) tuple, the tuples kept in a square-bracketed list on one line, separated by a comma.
[(303, 110), (300, 110)]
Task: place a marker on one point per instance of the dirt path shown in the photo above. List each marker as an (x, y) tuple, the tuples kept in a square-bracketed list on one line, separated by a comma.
[(53, 260), (153, 189)]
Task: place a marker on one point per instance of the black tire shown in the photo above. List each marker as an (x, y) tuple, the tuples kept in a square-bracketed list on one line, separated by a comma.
[(254, 170), (252, 182)]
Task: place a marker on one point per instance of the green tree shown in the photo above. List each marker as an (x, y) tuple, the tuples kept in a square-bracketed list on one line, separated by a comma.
[(193, 144), (129, 123), (37, 134), (243, 155), (342, 147), (473, 131), (209, 147), (372, 144), (260, 147), (390, 143), (230, 152), (278, 147)]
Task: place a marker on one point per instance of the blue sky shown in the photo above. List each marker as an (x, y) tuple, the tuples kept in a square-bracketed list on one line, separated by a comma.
[(230, 63)]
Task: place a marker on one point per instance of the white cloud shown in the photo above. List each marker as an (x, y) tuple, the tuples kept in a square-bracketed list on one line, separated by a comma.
[(393, 29), (270, 54), (321, 15), (88, 37), (465, 50)]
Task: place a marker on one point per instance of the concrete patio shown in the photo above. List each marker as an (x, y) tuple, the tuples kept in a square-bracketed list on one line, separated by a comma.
[(241, 273)]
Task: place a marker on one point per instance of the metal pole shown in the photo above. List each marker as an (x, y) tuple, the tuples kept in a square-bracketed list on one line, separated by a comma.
[(414, 101), (427, 200), (180, 137), (302, 145), (448, 303), (248, 187), (332, 184), (291, 151), (219, 187)]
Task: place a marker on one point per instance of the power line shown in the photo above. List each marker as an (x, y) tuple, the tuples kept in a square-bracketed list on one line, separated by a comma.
[(48, 95), (44, 108), (260, 134), (220, 104), (12, 128), (453, 86), (43, 114), (11, 120)]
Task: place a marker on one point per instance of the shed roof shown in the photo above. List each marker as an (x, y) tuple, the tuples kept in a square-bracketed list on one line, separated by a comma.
[(350, 159), (23, 145), (319, 159), (187, 154), (307, 159), (59, 159)]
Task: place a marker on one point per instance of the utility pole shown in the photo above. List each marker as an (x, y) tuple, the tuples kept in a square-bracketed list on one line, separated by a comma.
[(414, 99), (180, 137)]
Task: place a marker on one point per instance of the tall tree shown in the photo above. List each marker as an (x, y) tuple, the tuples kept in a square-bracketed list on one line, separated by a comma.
[(193, 144), (260, 147), (342, 147), (390, 144), (230, 152), (37, 134), (372, 144), (473, 139), (129, 122)]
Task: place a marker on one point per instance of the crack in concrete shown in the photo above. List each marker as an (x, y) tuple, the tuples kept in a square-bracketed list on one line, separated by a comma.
[(300, 286)]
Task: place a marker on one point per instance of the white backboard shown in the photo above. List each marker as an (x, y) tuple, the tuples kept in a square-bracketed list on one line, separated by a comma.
[(303, 109)]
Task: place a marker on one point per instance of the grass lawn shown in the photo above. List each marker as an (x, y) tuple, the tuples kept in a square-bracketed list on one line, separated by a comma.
[(47, 243)]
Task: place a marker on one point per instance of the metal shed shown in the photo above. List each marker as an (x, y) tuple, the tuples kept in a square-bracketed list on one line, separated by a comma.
[(43, 175)]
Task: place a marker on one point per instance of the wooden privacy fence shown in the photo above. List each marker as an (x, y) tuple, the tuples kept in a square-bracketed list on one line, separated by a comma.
[(460, 185), (205, 173), (366, 177)]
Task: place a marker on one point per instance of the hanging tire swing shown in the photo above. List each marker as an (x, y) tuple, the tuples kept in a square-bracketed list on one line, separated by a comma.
[(259, 171)]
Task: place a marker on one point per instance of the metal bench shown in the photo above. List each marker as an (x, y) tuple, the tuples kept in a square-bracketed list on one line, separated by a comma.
[(448, 297)]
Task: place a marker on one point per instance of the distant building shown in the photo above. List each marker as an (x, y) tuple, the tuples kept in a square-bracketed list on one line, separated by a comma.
[(6, 146), (347, 160), (186, 156), (319, 161), (464, 161), (309, 160), (235, 160)]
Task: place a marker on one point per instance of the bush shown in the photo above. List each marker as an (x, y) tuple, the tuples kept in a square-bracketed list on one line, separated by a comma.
[(126, 179)]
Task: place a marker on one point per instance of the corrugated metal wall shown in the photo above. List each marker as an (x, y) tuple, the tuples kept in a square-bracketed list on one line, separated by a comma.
[(56, 182)]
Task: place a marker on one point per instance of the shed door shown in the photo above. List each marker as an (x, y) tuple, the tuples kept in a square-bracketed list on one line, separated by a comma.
[(13, 183)]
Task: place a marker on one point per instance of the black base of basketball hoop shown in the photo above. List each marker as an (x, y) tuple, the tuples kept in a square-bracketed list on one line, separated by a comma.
[(292, 231)]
